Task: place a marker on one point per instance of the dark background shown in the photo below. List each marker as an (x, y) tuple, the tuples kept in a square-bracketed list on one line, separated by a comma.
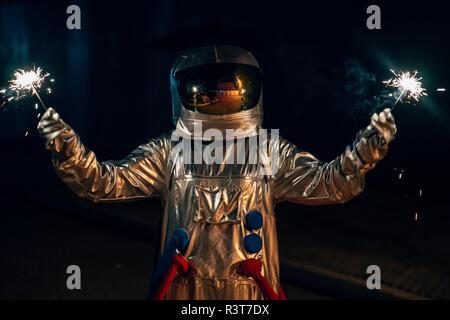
[(112, 87)]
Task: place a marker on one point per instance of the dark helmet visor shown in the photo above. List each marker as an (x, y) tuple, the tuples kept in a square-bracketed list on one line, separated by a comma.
[(220, 88)]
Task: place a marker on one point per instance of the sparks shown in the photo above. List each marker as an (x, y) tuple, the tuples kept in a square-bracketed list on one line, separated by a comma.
[(28, 82), (401, 172), (408, 84)]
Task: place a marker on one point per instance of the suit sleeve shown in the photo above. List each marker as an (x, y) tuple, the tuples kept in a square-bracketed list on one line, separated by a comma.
[(139, 175), (302, 178)]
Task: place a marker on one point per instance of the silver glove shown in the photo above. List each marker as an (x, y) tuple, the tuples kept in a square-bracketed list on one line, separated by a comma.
[(50, 125), (372, 142), (384, 124)]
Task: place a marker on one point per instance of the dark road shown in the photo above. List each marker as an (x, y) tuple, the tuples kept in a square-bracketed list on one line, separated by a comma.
[(39, 244)]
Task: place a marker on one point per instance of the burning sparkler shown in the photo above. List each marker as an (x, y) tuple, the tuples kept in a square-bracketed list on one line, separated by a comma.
[(408, 84), (27, 82)]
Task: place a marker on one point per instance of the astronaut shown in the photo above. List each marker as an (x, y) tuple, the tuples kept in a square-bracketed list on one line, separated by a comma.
[(218, 87)]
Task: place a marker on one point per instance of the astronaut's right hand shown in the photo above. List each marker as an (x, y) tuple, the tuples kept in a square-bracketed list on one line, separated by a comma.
[(50, 125)]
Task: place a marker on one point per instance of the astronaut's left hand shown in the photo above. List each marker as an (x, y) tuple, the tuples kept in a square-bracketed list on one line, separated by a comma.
[(384, 124), (372, 142)]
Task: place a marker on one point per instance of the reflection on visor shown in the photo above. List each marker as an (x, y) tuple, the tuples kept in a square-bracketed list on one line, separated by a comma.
[(221, 88)]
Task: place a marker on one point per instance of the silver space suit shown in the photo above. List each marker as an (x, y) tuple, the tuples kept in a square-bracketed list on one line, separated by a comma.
[(218, 87)]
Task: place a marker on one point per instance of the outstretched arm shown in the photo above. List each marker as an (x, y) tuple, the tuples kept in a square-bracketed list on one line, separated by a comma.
[(139, 175), (304, 179)]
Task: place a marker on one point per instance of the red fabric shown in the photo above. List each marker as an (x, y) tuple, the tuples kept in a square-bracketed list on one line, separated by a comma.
[(252, 268), (180, 265)]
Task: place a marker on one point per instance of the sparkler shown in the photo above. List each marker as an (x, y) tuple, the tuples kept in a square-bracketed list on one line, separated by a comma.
[(27, 82), (408, 84)]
